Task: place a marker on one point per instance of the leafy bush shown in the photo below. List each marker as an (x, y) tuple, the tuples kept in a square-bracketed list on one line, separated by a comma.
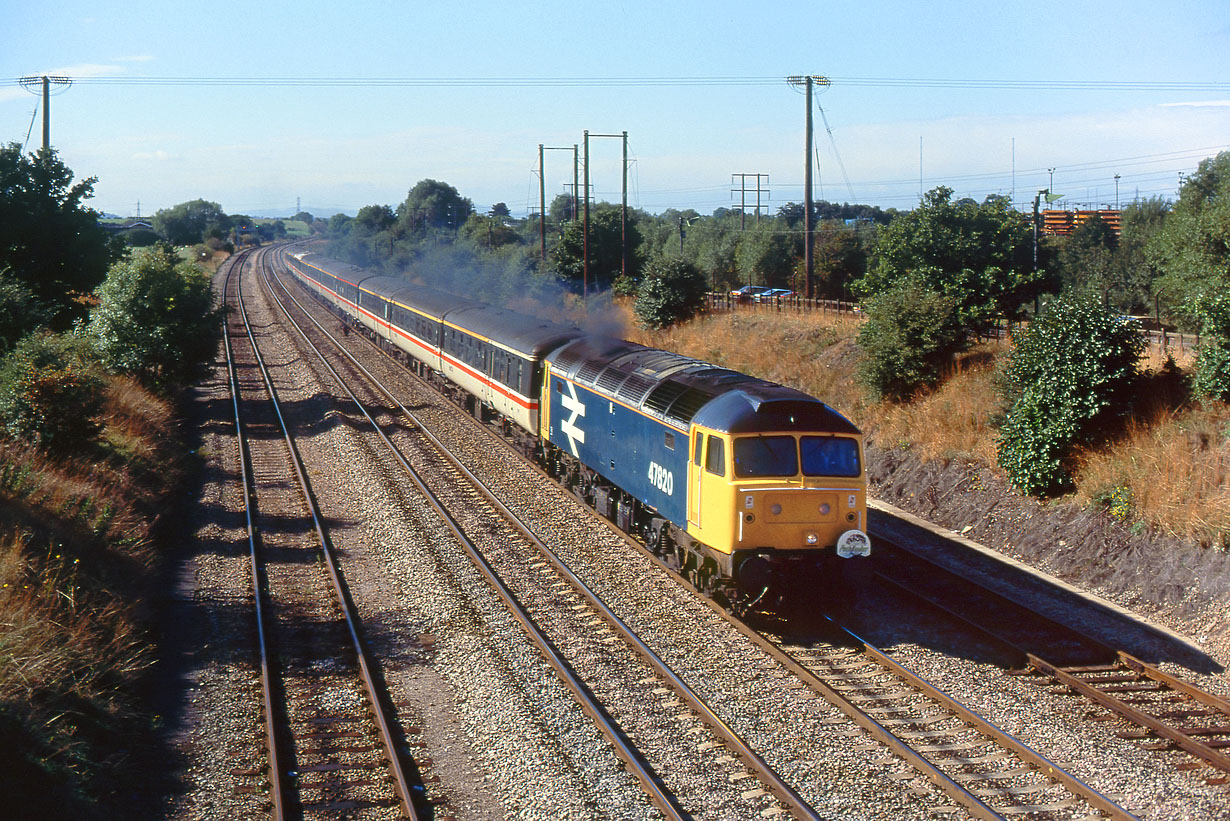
[(1211, 309), (672, 289), (155, 318), (911, 333), (1212, 377), (49, 395), (1071, 373)]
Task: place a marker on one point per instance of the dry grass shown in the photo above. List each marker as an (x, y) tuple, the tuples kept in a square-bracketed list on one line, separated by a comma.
[(956, 420), (76, 559), (1169, 469)]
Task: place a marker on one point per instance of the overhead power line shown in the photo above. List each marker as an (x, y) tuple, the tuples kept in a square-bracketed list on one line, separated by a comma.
[(727, 80)]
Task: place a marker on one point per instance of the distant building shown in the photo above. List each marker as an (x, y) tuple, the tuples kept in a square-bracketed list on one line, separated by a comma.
[(130, 225), (1061, 223)]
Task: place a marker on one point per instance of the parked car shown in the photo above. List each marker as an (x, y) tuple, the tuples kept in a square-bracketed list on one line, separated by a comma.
[(748, 292)]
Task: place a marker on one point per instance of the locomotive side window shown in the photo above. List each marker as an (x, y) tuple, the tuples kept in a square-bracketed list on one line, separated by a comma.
[(830, 456), (669, 440), (715, 457), (697, 449), (766, 456)]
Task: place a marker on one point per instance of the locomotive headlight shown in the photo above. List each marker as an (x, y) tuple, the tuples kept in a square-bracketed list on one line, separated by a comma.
[(813, 538), (776, 510), (826, 509)]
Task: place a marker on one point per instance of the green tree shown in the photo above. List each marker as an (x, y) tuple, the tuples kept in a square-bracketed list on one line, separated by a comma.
[(191, 222), (766, 255), (49, 241), (839, 257), (560, 209), (155, 318), (1087, 260), (910, 334), (1193, 247), (434, 204), (671, 289), (713, 243), (488, 233), (979, 255), (20, 311), (605, 249), (1071, 374), (1139, 223)]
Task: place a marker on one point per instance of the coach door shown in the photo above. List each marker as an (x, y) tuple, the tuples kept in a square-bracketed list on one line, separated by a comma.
[(694, 467)]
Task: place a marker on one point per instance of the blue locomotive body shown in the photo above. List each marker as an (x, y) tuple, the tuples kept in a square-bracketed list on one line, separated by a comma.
[(645, 457)]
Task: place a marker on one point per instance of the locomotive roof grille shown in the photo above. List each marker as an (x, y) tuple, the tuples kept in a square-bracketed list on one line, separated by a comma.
[(633, 389), (685, 407), (661, 397), (589, 371), (611, 379)]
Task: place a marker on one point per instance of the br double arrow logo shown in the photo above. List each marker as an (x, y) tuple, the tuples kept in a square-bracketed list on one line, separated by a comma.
[(569, 426)]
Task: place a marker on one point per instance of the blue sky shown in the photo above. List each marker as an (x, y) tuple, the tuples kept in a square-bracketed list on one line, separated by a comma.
[(257, 147)]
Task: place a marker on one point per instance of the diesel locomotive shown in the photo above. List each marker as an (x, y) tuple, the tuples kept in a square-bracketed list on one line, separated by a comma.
[(752, 489)]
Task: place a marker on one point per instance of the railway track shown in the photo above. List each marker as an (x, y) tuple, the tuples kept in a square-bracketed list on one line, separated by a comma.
[(977, 780), (1168, 713), (332, 744), (687, 759)]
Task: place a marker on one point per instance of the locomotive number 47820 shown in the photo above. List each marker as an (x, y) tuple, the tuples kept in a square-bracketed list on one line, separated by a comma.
[(661, 478)]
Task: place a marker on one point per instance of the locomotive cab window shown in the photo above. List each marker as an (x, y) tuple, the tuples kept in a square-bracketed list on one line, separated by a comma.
[(757, 456), (697, 449), (830, 456), (715, 457)]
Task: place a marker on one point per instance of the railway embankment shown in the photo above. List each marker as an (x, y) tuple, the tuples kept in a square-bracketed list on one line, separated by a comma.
[(81, 537), (1175, 583)]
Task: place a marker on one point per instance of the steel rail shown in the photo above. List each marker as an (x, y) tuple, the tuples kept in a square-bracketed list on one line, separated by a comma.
[(585, 699), (1172, 734), (383, 722), (924, 766), (273, 747), (1088, 689)]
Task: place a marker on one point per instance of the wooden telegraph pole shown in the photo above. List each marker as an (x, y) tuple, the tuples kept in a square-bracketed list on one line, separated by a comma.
[(808, 260)]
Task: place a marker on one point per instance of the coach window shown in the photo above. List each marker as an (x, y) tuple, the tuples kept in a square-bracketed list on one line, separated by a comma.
[(715, 457)]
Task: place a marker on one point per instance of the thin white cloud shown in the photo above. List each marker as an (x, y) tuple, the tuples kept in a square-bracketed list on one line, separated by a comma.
[(1199, 104), (158, 156)]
